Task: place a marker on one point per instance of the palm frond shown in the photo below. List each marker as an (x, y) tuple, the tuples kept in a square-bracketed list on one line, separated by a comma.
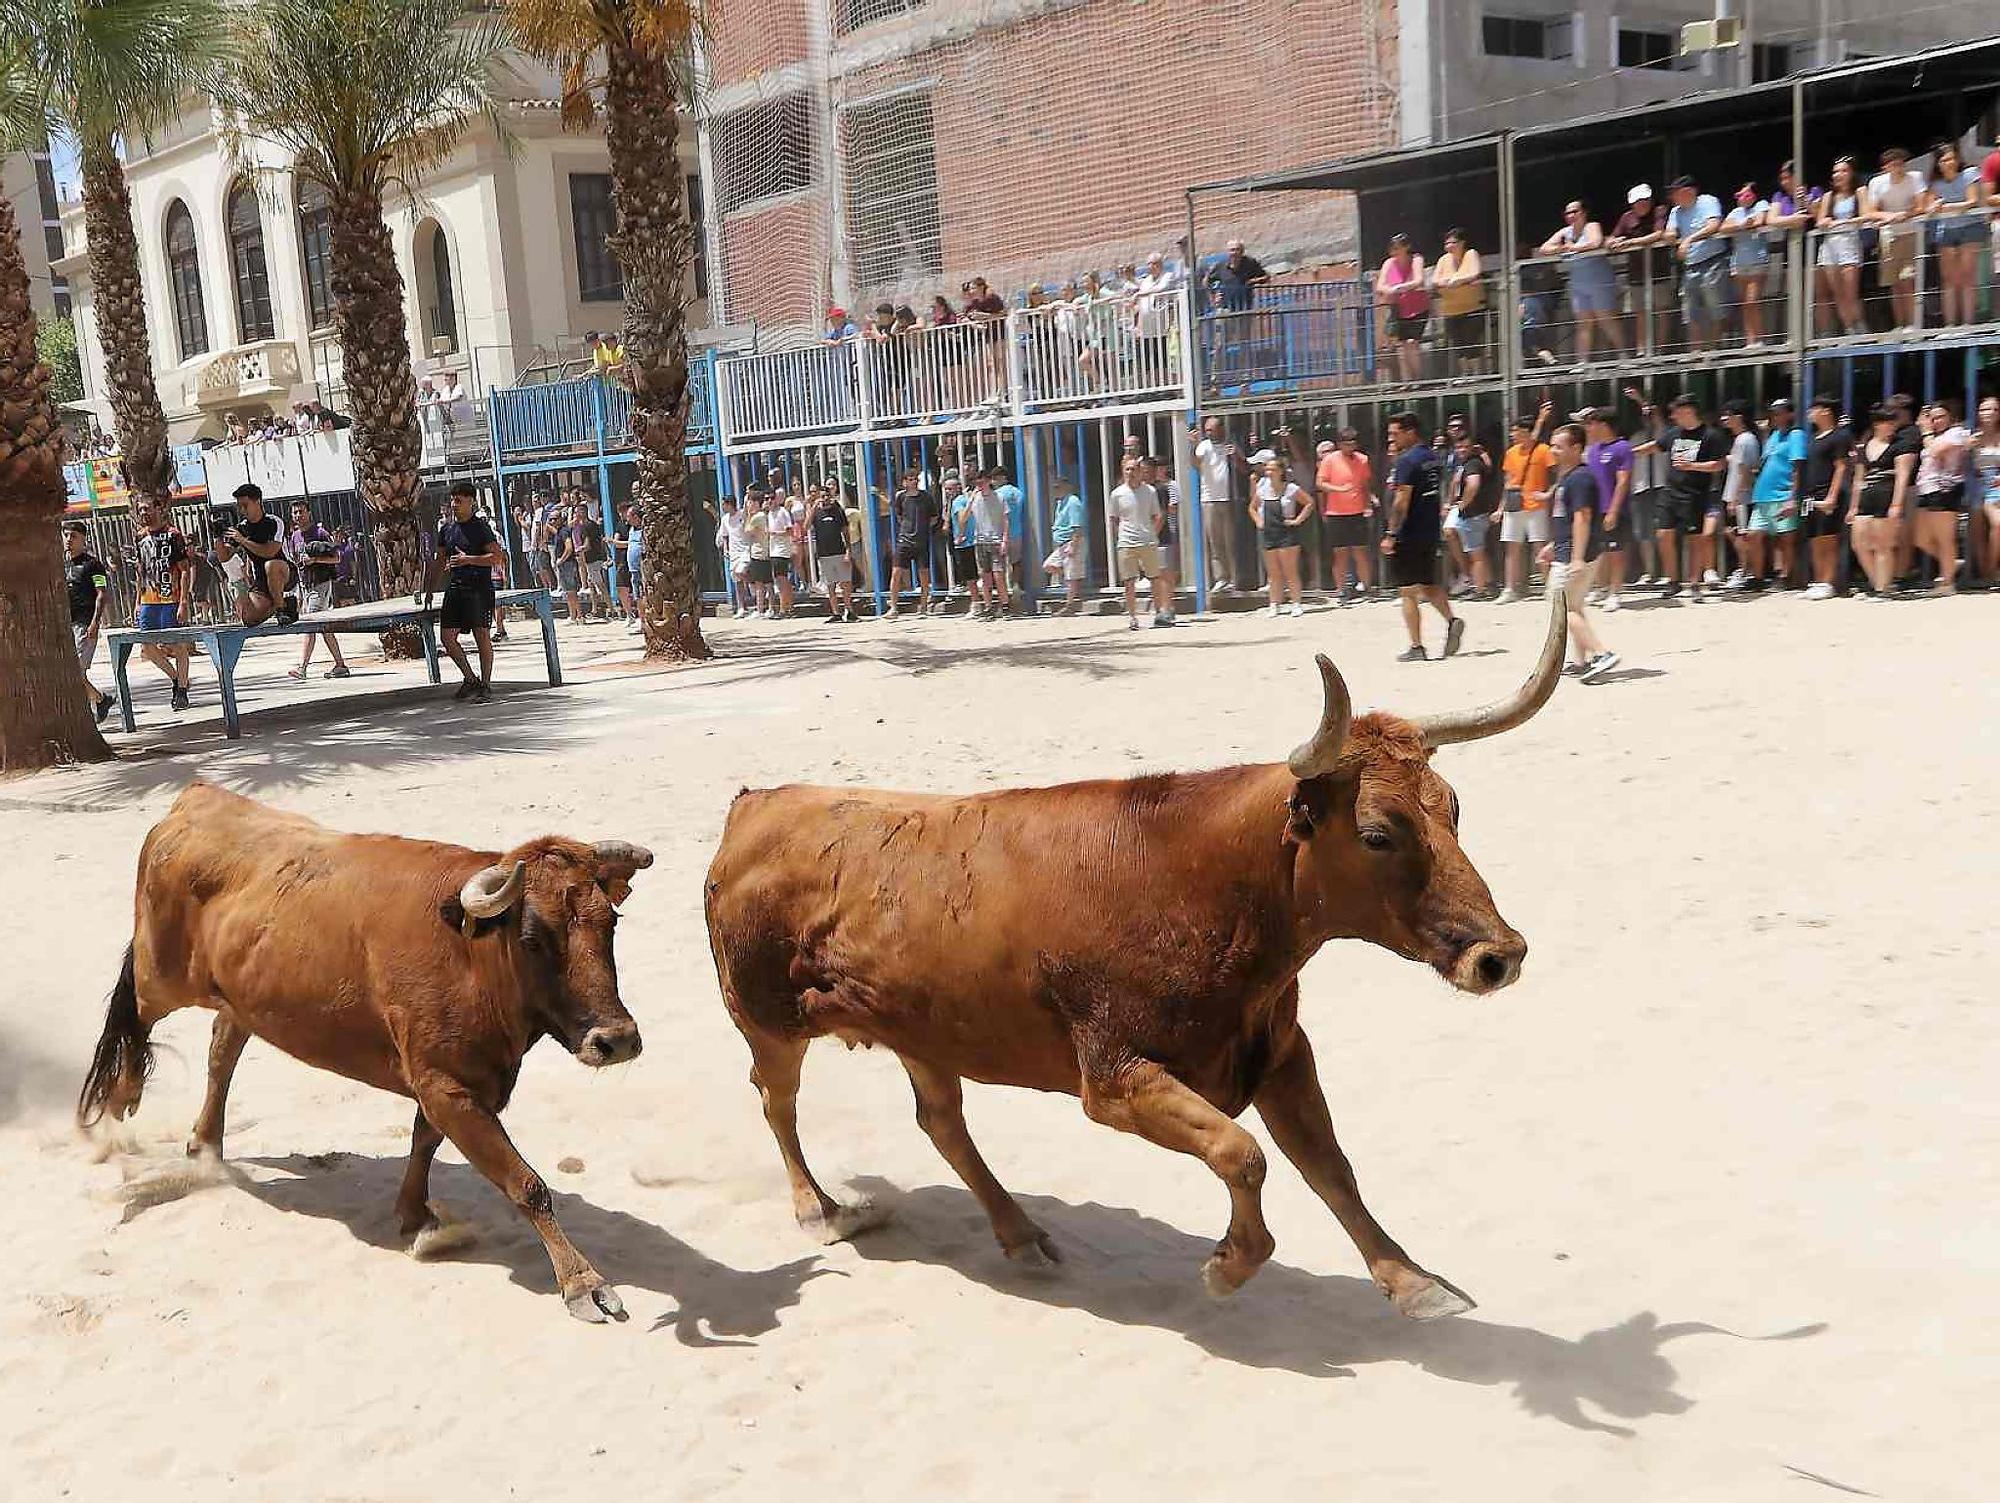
[(572, 35), (112, 67), (25, 119)]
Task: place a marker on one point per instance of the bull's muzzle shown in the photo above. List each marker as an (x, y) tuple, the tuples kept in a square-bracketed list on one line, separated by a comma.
[(1488, 964), (609, 1044)]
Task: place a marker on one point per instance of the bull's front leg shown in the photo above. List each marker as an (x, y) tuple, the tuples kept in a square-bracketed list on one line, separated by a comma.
[(1141, 1098), (1294, 1109), (477, 1134)]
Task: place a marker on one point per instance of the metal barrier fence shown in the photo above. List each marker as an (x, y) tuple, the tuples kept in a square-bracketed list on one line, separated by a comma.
[(1314, 333)]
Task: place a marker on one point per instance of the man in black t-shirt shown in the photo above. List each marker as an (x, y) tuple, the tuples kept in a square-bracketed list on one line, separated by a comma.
[(916, 522), (1411, 539), (256, 538), (1696, 459), (827, 523), (89, 586), (1576, 542), (1823, 487), (467, 548)]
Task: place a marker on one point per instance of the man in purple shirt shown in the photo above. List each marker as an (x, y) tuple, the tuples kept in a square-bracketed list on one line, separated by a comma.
[(1609, 459)]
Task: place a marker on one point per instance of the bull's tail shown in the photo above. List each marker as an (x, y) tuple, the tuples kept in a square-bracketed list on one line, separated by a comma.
[(124, 1058)]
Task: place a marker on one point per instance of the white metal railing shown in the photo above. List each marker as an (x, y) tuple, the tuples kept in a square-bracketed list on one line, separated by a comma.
[(1128, 350), (1936, 273)]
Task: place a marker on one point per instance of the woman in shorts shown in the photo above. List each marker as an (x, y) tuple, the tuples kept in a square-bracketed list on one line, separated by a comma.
[(1593, 281), (1838, 262), (1749, 258), (1941, 491), (1986, 465), (1882, 470), (1955, 190), (1280, 509), (1403, 294)]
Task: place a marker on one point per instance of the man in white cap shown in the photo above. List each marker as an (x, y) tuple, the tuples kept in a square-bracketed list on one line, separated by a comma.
[(1648, 275)]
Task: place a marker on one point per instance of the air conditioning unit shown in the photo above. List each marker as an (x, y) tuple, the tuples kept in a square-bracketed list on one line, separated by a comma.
[(1707, 36)]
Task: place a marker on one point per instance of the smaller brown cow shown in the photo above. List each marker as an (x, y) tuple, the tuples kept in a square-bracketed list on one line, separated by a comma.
[(424, 969), (1136, 943)]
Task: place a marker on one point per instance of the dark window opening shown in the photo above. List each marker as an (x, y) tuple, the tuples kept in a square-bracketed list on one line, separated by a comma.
[(763, 150), (1647, 49), (593, 217), (697, 213), (184, 283), (254, 321), (444, 304), (316, 251), (893, 216)]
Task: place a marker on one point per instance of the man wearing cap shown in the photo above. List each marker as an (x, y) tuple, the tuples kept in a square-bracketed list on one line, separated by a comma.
[(1893, 196), (1692, 224), (1642, 226), (839, 327), (1774, 509)]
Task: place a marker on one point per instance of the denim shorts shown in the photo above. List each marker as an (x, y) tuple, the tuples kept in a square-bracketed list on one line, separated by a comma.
[(1705, 290), (1471, 530)]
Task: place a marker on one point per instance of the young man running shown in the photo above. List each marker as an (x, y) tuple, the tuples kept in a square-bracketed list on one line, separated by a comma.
[(1411, 542), (166, 577), (467, 548), (89, 587), (1822, 493)]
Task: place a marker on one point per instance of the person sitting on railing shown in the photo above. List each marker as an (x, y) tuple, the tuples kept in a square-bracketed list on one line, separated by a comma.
[(1955, 194), (839, 327), (1897, 194), (1593, 281), (1749, 258), (1694, 224), (1459, 280), (1642, 228), (1232, 281), (1837, 262), (1404, 298)]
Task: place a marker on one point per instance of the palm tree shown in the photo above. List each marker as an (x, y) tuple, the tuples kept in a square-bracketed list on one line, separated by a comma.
[(636, 54), (113, 69), (43, 717), (365, 96)]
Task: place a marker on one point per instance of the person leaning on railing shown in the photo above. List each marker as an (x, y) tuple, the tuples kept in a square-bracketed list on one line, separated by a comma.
[(1593, 281), (1955, 196), (1459, 280)]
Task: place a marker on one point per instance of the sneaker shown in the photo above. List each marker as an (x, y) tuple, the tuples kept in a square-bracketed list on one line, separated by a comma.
[(1509, 596), (179, 699), (467, 689), (1454, 635), (1271, 609), (1593, 597), (1694, 596), (103, 710), (1169, 618), (339, 670), (1298, 609), (1671, 592), (1612, 602), (1737, 581), (1412, 654), (1819, 591), (482, 695), (1598, 666), (1710, 578), (1161, 622), (1131, 623), (895, 613)]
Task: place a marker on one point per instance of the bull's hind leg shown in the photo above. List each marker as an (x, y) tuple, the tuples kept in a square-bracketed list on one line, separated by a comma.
[(1294, 1108), (774, 1070), (1145, 1100), (225, 1047), (941, 1114)]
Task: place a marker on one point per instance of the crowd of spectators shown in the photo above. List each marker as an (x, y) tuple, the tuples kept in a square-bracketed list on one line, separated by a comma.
[(305, 418)]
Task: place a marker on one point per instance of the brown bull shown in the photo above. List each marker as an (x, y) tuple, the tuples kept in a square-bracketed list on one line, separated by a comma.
[(1136, 943), (424, 969)]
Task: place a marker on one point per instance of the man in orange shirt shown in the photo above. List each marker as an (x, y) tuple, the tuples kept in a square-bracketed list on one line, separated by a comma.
[(1346, 486), (1528, 467)]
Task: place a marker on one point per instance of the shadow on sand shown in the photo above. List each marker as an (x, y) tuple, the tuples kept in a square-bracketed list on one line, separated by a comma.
[(717, 1305), (1132, 1270)]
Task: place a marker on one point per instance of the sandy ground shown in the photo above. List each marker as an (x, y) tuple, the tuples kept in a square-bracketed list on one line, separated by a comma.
[(1721, 1169)]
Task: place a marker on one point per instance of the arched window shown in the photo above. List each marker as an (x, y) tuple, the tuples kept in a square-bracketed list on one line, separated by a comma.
[(316, 248), (246, 263), (436, 296), (184, 282)]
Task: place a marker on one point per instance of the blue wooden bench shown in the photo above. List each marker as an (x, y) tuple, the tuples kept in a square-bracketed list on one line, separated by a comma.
[(223, 641)]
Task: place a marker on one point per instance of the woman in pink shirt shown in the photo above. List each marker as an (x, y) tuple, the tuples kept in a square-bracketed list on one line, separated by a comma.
[(1404, 297)]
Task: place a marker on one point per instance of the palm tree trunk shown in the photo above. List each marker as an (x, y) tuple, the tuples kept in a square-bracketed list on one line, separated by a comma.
[(115, 292), (381, 386), (43, 717), (654, 244)]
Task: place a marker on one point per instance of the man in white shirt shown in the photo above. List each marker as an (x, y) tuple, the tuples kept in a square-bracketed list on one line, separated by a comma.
[(1218, 463), (989, 545), (1154, 320), (1893, 196), (734, 546), (1135, 512), (783, 521)]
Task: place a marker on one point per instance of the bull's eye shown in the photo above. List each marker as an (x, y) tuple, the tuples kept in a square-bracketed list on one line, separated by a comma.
[(1378, 840)]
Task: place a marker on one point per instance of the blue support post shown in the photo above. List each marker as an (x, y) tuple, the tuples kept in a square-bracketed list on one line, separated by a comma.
[(873, 525), (1029, 470), (1198, 521)]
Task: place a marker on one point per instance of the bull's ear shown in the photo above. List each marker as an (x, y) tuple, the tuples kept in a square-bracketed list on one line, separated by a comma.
[(1310, 802)]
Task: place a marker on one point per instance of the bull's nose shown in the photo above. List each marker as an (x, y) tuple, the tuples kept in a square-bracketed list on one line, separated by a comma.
[(1491, 964), (609, 1044)]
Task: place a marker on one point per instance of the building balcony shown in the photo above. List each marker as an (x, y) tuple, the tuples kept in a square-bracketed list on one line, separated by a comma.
[(262, 372)]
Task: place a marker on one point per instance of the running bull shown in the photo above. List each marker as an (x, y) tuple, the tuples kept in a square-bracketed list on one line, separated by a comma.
[(1136, 943), (424, 969)]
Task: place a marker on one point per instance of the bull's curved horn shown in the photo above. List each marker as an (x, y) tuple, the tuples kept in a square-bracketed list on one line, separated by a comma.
[(1474, 725), (492, 890), (621, 854), (1315, 758)]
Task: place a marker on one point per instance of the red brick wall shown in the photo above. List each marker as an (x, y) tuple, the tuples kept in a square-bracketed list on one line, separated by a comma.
[(750, 36), (777, 262)]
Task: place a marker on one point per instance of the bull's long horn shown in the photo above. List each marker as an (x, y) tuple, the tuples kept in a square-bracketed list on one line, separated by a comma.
[(491, 890), (1315, 758), (621, 853), (1446, 730)]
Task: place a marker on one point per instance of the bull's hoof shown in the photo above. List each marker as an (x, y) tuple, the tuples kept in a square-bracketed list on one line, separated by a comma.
[(845, 1222), (1431, 1299), (596, 1305), (1038, 1252), (1217, 1278), (439, 1235)]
